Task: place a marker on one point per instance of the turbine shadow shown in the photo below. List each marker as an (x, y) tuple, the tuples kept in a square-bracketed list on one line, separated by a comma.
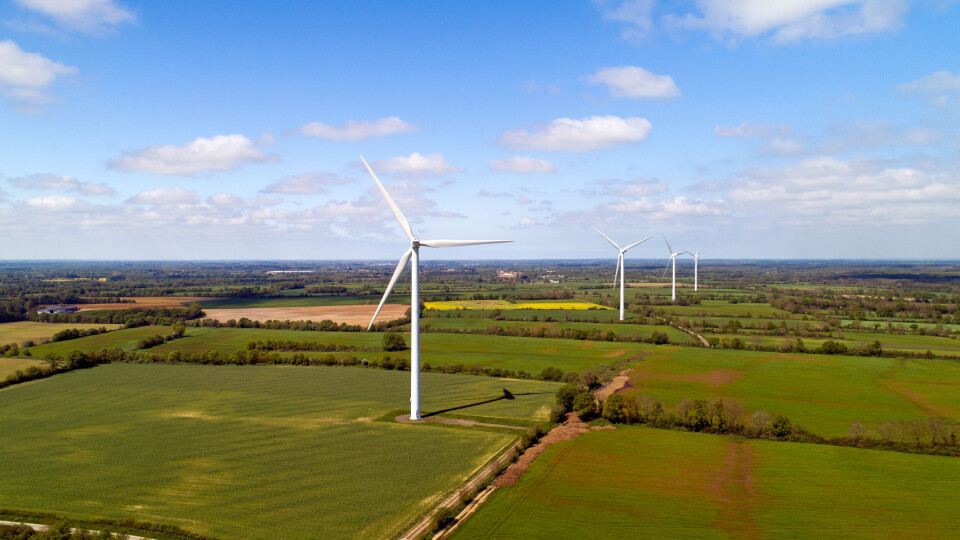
[(506, 395)]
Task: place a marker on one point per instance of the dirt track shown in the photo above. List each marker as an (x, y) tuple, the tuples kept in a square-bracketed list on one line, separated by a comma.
[(340, 314)]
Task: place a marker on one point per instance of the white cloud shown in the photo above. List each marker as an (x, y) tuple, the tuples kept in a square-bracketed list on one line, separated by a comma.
[(306, 183), (165, 196), (526, 223), (939, 88), (59, 182), (569, 135), (357, 131), (641, 187), (828, 191), (752, 129), (491, 194), (789, 22), (25, 77), (416, 165), (228, 200), (219, 153), (637, 14), (523, 165), (88, 15), (57, 203), (635, 82)]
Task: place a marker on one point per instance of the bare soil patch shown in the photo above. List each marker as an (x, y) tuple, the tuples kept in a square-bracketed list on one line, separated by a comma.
[(148, 302), (570, 429), (341, 314), (618, 383), (615, 353)]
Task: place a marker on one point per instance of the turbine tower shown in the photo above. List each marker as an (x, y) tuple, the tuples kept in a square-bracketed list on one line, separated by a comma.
[(673, 259), (413, 255), (620, 269)]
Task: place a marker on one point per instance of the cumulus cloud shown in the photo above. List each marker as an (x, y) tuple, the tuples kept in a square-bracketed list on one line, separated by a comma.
[(523, 165), (830, 191), (941, 88), (778, 139), (57, 182), (357, 131), (86, 15), (635, 82), (57, 203), (416, 165), (640, 187), (585, 134), (25, 77), (165, 196), (229, 200), (636, 14), (219, 153), (301, 184)]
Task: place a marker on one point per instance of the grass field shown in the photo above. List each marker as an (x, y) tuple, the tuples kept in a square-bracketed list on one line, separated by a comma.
[(823, 393), (638, 482), (529, 354), (719, 308), (20, 331), (622, 330), (247, 452), (504, 305), (11, 365)]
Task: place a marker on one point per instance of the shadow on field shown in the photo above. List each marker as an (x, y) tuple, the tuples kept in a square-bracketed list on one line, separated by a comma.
[(506, 395)]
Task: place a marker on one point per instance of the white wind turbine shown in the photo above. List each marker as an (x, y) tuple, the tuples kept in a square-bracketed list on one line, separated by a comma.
[(673, 259), (413, 254), (620, 269), (696, 263)]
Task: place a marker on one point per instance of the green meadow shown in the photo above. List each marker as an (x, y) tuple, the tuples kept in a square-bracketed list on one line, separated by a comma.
[(528, 354), (638, 482), (621, 330), (9, 366), (823, 393), (249, 451)]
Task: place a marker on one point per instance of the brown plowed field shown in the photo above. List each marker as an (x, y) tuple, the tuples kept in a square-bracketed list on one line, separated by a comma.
[(340, 314), (150, 302)]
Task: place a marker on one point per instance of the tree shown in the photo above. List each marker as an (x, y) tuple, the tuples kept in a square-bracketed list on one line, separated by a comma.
[(393, 342), (781, 426), (565, 396), (585, 405), (613, 409)]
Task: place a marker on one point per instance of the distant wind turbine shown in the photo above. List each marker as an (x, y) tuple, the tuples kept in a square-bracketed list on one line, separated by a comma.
[(620, 269), (696, 263), (673, 259), (413, 254)]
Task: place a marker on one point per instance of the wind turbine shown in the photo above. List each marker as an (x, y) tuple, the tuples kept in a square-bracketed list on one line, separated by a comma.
[(696, 262), (620, 269), (413, 254), (673, 259)]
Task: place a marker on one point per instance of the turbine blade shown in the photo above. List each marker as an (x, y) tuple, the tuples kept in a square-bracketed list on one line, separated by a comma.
[(458, 243), (668, 244), (393, 281), (393, 206), (667, 267), (607, 237), (636, 243), (698, 253)]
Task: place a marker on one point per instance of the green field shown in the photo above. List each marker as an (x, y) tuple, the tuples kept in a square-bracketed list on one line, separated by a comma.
[(823, 393), (637, 482), (621, 330), (248, 451), (529, 354), (519, 305), (18, 332), (719, 308)]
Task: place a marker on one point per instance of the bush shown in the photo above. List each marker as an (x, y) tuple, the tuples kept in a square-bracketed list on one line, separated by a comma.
[(394, 342), (551, 374), (558, 414), (613, 409), (781, 426)]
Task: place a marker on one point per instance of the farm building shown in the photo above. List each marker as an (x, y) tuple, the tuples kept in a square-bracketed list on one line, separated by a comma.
[(58, 309)]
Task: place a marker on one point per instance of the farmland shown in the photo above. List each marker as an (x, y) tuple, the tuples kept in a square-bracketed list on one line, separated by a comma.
[(22, 331), (805, 341), (643, 483), (252, 452)]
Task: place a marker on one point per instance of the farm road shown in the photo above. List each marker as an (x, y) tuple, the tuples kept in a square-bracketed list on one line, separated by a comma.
[(44, 528)]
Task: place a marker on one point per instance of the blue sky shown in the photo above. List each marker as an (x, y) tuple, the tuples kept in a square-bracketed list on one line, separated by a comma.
[(213, 130)]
